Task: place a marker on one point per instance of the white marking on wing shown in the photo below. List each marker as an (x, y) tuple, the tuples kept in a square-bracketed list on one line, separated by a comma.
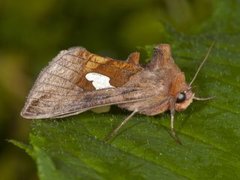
[(99, 81)]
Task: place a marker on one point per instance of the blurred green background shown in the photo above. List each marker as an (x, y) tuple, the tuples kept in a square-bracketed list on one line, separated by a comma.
[(33, 32)]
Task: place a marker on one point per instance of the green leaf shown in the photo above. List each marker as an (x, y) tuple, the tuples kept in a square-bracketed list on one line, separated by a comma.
[(73, 148)]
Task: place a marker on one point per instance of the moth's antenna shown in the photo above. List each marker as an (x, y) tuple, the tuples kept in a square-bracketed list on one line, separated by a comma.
[(200, 67), (203, 99)]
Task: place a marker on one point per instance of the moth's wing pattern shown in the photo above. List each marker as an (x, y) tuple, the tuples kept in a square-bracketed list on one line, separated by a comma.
[(63, 90)]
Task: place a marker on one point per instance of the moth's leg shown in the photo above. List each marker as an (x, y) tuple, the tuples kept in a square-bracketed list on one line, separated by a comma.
[(173, 133), (172, 112), (114, 132)]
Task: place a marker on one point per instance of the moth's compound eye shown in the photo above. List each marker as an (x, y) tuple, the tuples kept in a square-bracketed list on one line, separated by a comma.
[(181, 97)]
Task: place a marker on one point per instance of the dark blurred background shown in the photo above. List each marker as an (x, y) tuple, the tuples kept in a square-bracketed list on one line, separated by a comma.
[(33, 32)]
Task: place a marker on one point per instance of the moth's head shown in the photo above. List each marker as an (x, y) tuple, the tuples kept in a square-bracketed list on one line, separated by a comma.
[(181, 92), (183, 99)]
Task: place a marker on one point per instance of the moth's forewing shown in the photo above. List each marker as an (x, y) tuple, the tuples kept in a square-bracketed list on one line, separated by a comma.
[(63, 90)]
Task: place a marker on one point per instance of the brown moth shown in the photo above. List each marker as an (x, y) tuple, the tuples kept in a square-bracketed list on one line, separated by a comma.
[(77, 80)]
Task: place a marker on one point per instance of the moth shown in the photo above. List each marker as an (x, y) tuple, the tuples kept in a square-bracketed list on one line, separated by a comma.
[(77, 80)]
